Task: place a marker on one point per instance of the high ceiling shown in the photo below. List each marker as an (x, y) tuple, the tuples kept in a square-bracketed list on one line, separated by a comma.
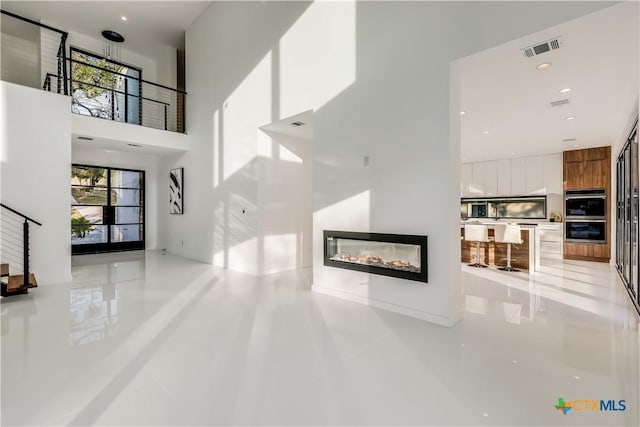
[(504, 94), (149, 24)]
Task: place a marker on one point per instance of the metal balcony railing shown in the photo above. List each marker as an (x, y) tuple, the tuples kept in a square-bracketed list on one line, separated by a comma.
[(99, 87)]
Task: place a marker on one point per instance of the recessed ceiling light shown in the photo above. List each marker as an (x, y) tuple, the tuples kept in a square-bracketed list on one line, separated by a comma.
[(485, 132), (462, 113), (565, 90), (108, 151), (513, 154), (576, 145), (124, 18), (544, 66), (570, 118)]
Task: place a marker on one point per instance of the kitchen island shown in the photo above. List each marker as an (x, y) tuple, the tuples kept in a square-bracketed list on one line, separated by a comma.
[(523, 256)]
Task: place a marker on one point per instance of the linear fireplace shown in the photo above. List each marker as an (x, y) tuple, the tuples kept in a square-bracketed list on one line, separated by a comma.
[(395, 255)]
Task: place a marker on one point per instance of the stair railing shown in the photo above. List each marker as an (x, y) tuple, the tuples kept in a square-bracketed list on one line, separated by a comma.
[(25, 242)]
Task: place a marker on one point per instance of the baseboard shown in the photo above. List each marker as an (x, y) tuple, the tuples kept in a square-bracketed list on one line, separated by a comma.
[(396, 308), (586, 258)]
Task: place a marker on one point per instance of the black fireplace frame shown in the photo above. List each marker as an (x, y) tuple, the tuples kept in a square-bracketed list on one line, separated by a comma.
[(408, 239)]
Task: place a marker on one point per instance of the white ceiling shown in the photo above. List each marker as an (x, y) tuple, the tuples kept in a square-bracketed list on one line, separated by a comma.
[(503, 92), (112, 145), (284, 126), (149, 24)]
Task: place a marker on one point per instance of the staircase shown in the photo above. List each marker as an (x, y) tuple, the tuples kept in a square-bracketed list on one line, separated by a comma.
[(14, 252)]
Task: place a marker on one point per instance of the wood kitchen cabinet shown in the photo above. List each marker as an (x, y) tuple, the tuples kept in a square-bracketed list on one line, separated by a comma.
[(586, 170)]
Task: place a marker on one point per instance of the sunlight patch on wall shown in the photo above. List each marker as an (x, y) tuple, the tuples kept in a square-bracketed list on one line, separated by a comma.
[(317, 57), (288, 155), (265, 145), (281, 252), (241, 257), (350, 214), (248, 108), (216, 149)]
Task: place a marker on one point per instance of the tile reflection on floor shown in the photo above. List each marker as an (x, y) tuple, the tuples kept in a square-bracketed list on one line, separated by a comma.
[(145, 338)]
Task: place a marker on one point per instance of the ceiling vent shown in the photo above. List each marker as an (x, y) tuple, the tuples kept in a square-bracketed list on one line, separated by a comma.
[(559, 102), (544, 47), (297, 124), (568, 140), (133, 145), (85, 138)]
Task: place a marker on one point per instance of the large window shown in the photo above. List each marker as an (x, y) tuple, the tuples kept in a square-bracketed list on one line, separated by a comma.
[(627, 213), (104, 88)]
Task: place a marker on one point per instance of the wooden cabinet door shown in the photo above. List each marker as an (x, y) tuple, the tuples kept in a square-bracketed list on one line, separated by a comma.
[(574, 175)]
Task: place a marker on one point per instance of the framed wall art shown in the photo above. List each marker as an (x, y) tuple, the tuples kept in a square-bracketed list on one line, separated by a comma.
[(176, 191)]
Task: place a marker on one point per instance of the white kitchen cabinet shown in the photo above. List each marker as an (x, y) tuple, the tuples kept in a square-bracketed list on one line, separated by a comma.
[(504, 177), (465, 179), (534, 175), (491, 178), (534, 182), (518, 176), (550, 238), (552, 173), (477, 179)]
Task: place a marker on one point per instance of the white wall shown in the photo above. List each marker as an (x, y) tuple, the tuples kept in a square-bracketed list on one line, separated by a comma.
[(20, 49), (36, 169), (148, 162), (285, 200), (377, 76)]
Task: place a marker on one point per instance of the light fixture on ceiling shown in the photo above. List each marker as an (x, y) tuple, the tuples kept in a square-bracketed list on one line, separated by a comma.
[(462, 113), (576, 145), (124, 18), (485, 132), (544, 66), (565, 90), (570, 118), (112, 40)]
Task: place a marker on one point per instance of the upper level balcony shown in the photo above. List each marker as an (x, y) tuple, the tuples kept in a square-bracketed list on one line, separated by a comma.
[(99, 84)]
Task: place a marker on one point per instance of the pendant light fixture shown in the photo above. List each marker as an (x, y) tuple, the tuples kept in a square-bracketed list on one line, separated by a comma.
[(112, 41)]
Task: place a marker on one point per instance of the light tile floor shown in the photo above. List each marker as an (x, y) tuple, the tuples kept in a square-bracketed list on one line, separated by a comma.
[(160, 340)]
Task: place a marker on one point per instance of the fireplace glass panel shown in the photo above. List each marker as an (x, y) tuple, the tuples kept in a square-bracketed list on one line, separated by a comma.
[(395, 256)]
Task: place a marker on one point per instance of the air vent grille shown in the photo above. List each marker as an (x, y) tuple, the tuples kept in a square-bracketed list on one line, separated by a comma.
[(540, 48), (559, 102), (297, 124), (568, 140), (85, 138)]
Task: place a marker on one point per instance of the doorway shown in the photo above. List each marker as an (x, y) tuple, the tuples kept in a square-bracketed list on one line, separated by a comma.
[(107, 209)]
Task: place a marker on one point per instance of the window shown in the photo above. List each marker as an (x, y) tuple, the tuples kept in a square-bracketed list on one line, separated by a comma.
[(104, 88)]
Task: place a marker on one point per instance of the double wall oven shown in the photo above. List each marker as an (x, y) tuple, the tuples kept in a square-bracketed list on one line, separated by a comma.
[(586, 216)]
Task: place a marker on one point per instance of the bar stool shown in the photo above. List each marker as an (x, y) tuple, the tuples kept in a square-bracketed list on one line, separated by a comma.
[(476, 233), (508, 233)]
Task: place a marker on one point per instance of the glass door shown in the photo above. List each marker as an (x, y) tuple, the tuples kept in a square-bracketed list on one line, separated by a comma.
[(107, 209), (634, 283), (627, 215)]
